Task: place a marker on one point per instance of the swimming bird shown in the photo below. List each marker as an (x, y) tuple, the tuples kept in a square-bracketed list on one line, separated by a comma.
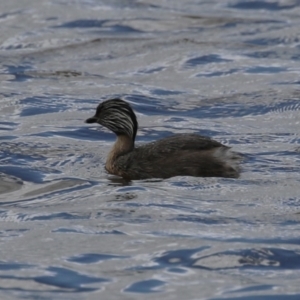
[(176, 155)]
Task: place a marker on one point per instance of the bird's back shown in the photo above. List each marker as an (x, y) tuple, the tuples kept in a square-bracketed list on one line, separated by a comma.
[(179, 155)]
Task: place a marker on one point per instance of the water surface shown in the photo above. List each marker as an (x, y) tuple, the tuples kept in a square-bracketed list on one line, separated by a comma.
[(225, 69)]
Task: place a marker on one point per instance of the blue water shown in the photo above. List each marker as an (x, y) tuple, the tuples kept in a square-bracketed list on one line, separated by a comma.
[(225, 69)]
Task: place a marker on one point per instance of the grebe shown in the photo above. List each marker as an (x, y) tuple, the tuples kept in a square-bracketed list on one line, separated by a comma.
[(177, 155)]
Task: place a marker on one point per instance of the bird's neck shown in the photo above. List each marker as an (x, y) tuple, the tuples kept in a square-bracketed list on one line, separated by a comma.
[(123, 145)]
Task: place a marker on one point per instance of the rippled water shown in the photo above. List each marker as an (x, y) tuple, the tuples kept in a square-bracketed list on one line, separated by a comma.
[(226, 69)]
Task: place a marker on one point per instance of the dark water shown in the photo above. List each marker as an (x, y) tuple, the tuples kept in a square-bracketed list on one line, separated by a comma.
[(226, 69)]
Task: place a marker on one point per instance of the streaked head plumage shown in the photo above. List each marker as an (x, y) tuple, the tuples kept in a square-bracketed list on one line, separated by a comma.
[(116, 115)]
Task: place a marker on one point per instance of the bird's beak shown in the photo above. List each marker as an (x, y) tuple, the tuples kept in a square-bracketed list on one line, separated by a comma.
[(91, 120)]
